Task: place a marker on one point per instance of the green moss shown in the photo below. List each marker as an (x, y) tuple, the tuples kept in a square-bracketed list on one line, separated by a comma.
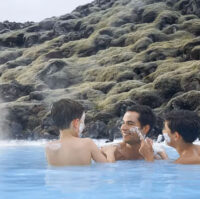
[(125, 86), (189, 101), (151, 11), (167, 17), (108, 103), (174, 69), (145, 31), (192, 26), (111, 56)]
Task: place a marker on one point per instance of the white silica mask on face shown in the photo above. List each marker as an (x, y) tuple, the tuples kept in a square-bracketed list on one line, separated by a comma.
[(160, 138), (167, 138), (82, 125), (136, 130), (81, 128)]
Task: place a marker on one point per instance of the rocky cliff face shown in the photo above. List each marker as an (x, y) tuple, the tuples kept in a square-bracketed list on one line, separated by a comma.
[(108, 55)]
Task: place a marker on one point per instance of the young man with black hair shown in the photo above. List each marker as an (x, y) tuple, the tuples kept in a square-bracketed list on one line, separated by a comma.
[(70, 149), (181, 129), (136, 146)]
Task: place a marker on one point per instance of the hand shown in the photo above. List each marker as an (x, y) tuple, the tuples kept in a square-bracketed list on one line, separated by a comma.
[(146, 149), (163, 155)]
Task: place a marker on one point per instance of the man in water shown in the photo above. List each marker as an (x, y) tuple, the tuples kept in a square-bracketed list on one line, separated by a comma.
[(138, 121), (181, 129), (70, 149)]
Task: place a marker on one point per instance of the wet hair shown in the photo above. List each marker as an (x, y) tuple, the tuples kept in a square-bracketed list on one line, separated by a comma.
[(64, 111), (146, 115), (186, 123)]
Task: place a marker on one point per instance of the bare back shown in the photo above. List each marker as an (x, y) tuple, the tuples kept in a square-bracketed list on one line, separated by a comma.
[(73, 151)]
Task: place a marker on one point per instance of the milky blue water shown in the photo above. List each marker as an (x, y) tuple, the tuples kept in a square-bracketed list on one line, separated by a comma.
[(24, 174)]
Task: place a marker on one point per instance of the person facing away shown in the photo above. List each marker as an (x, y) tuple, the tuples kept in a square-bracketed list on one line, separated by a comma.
[(70, 149), (181, 129), (133, 146)]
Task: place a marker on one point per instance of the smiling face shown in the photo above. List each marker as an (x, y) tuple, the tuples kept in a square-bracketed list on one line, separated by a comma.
[(130, 120)]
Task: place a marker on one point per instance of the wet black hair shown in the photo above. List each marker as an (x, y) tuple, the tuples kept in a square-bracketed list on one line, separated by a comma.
[(146, 115), (64, 111), (185, 122)]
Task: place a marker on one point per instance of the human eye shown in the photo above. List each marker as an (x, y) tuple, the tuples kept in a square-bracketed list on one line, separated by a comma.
[(130, 123), (121, 122)]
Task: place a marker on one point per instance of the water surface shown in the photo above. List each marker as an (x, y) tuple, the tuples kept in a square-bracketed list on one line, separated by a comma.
[(24, 174)]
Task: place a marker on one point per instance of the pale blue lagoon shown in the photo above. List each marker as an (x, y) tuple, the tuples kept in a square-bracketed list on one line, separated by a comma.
[(24, 174)]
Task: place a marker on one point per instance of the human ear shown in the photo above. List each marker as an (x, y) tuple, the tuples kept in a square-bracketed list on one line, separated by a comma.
[(146, 129), (75, 123), (177, 136)]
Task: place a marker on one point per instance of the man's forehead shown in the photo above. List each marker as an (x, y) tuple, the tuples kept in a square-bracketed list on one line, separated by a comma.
[(131, 116)]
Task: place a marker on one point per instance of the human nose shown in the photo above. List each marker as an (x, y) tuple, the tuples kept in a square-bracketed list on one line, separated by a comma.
[(163, 131), (124, 126)]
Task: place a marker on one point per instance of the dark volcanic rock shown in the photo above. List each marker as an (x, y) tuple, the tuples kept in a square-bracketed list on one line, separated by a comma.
[(9, 55), (14, 90), (21, 119), (102, 41), (96, 130), (189, 51), (195, 53), (189, 7), (150, 12), (105, 88), (31, 39), (142, 44), (62, 27), (11, 129), (188, 101), (119, 108), (192, 26), (144, 69), (167, 86), (12, 40), (108, 55), (149, 98), (56, 75), (8, 26)]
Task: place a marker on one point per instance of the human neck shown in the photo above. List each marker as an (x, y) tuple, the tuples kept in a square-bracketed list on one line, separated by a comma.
[(184, 147), (67, 133), (132, 144)]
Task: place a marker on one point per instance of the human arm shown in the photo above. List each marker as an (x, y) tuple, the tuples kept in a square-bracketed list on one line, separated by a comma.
[(97, 155), (109, 152), (162, 155)]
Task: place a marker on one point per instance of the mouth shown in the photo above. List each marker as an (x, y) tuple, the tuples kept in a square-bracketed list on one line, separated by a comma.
[(126, 134)]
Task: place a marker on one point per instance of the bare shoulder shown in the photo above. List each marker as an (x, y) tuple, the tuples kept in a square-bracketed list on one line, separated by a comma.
[(88, 141), (119, 146), (53, 145), (198, 147), (51, 142), (187, 161)]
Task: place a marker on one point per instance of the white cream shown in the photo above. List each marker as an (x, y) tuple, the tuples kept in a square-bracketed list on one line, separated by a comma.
[(136, 130), (82, 124), (167, 138)]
